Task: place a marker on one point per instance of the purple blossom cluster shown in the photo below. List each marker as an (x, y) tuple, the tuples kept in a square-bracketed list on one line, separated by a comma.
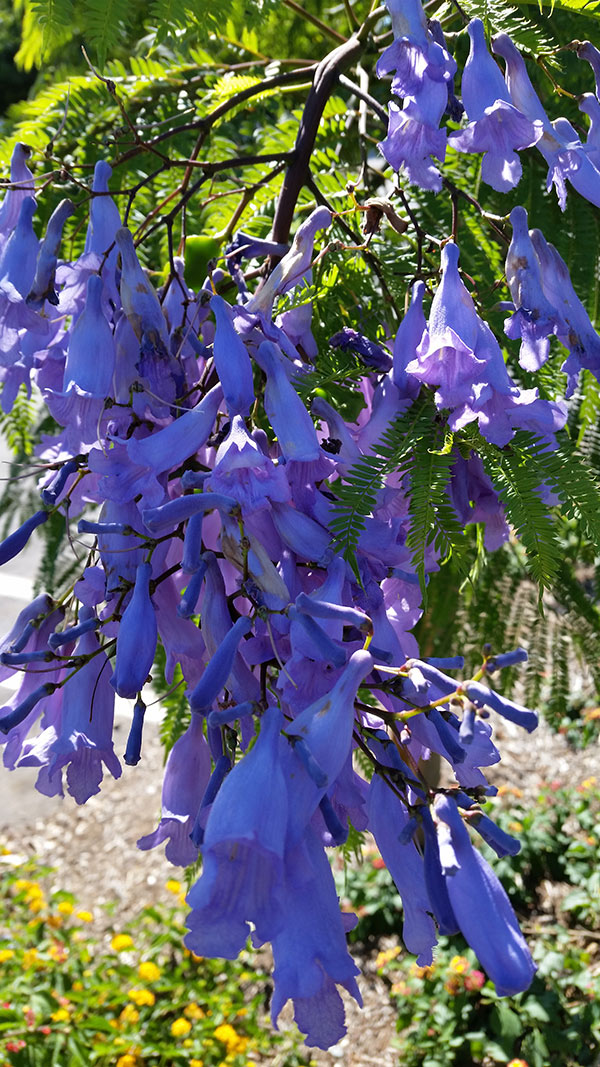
[(205, 492), (503, 111)]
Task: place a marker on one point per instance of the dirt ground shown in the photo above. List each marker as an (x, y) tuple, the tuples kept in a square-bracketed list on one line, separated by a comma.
[(93, 850)]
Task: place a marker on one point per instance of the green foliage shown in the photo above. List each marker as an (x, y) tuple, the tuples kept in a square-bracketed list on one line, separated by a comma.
[(17, 428), (173, 701), (72, 997)]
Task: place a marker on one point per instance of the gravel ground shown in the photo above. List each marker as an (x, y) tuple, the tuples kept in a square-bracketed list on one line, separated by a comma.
[(93, 849)]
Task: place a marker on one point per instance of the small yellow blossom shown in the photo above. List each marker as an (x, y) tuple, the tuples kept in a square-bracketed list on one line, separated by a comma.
[(61, 1015), (242, 1012), (129, 1015), (589, 783), (517, 1063), (148, 971), (180, 1027), (515, 826), (386, 956), (58, 952), (121, 942), (30, 958), (230, 1038), (193, 1011), (127, 1060), (196, 1063), (36, 904), (6, 954), (173, 886), (141, 997), (77, 987), (188, 1043), (65, 907), (55, 921), (459, 964), (422, 972), (22, 883), (85, 916)]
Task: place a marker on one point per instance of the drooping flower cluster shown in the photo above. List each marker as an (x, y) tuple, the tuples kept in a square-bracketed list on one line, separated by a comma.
[(504, 112), (205, 490)]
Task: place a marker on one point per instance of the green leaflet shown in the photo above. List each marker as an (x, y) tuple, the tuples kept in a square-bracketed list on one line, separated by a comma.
[(406, 447)]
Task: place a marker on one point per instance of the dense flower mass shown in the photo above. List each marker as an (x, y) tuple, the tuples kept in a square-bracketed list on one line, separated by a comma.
[(205, 490)]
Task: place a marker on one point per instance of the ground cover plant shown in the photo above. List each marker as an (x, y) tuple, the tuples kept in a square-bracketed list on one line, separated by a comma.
[(126, 997), (299, 363)]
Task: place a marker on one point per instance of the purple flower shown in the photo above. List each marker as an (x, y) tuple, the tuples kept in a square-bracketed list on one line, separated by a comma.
[(559, 143), (286, 412), (350, 340), (294, 264), (482, 697), (412, 141), (590, 106), (496, 126), (19, 257), (216, 674), (82, 741), (388, 818), (535, 318), (243, 471), (242, 852), (91, 356), (21, 175), (481, 906), (12, 545), (232, 360), (43, 287), (326, 726), (408, 338), (182, 438), (577, 334), (136, 642), (186, 777), (309, 951), (586, 50)]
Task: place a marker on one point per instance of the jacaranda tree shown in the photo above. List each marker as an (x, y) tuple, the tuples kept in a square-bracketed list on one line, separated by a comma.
[(296, 350)]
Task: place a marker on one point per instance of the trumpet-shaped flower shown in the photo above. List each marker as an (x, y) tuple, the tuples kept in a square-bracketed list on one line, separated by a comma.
[(496, 127), (481, 906)]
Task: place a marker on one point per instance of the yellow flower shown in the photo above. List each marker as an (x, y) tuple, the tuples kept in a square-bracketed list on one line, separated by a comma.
[(232, 1040), (173, 886), (6, 954), (21, 884), (85, 916), (422, 972), (193, 1011), (55, 921), (141, 997), (386, 956), (517, 1063), (77, 987), (121, 942), (58, 952), (180, 1027), (459, 964), (188, 1043), (129, 1015), (148, 971), (61, 1015), (196, 1063), (127, 1060), (65, 907), (36, 904), (30, 958)]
